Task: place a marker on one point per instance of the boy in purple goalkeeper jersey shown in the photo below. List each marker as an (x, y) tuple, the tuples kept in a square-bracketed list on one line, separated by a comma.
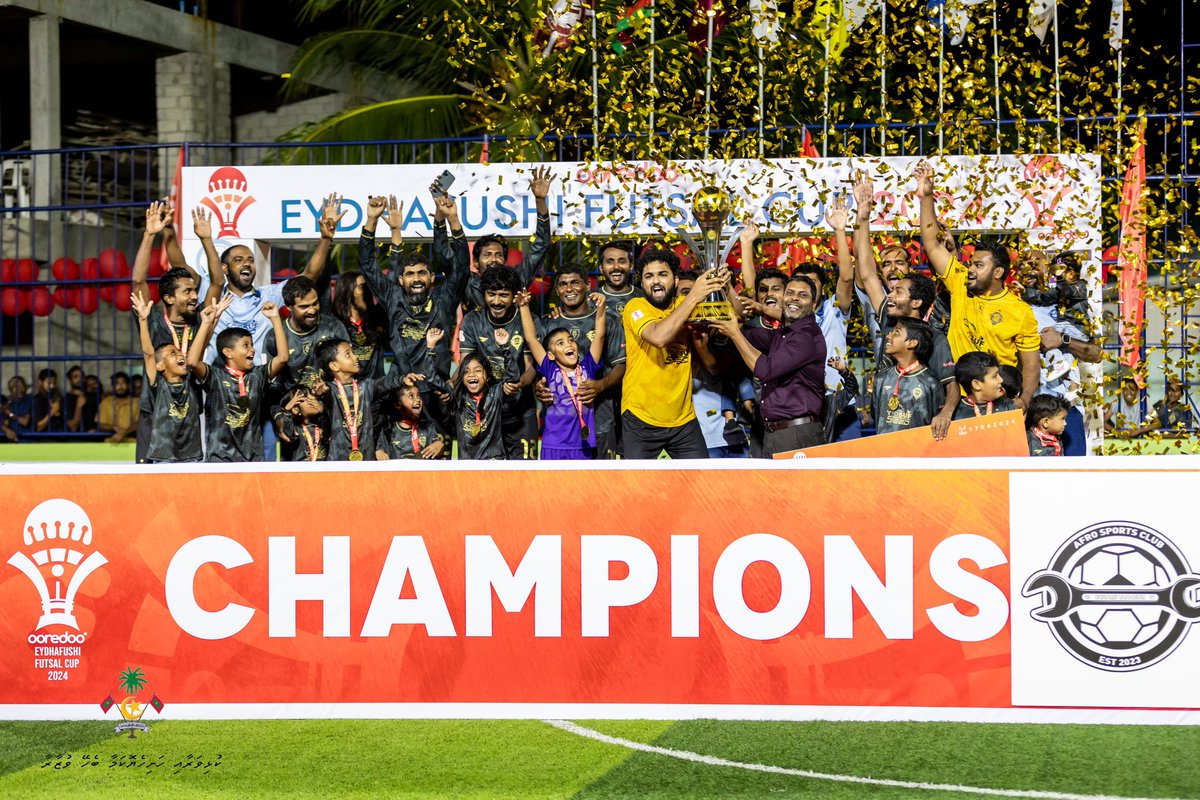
[(570, 430)]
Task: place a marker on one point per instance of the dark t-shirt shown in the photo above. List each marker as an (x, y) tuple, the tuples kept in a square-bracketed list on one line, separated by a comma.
[(583, 330), (501, 345), (302, 368), (477, 425), (232, 419), (1038, 448), (369, 344), (916, 403), (616, 302), (398, 440), (968, 410), (310, 437), (160, 329), (941, 363), (370, 398), (174, 411)]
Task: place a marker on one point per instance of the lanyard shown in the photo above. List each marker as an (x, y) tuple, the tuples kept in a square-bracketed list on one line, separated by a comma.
[(478, 419), (350, 415), (573, 392), (416, 441), (900, 373), (240, 375), (187, 330), (975, 408), (313, 439)]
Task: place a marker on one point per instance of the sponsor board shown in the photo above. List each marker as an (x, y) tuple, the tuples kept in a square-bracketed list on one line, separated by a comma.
[(817, 589)]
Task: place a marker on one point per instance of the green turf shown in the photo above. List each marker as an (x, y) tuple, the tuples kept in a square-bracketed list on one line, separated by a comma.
[(68, 451), (412, 759)]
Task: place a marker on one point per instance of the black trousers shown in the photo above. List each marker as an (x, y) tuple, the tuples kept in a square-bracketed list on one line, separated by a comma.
[(801, 436), (647, 441)]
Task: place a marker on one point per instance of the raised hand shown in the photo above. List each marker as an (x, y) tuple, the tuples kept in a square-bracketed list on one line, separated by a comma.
[(432, 337), (270, 311), (924, 175), (212, 312), (447, 207), (202, 223), (749, 234), (539, 184), (747, 306), (331, 215), (141, 305), (154, 218), (864, 195), (395, 214), (522, 298), (599, 302), (413, 378), (375, 207), (837, 214)]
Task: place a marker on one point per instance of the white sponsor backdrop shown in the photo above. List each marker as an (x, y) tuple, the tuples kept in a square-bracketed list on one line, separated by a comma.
[(1058, 196), (1046, 510)]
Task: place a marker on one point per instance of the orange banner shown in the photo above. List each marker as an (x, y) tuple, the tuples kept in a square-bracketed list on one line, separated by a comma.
[(616, 586), (993, 435)]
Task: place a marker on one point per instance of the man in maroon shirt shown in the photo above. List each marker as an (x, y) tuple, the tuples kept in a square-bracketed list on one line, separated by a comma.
[(790, 362)]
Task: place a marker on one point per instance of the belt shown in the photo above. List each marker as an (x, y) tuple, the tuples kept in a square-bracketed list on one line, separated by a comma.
[(789, 423)]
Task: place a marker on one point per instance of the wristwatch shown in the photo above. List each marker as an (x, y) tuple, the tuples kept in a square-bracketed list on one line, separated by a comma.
[(1066, 342)]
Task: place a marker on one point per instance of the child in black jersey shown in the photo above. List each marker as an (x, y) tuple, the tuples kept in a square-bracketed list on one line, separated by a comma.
[(172, 394)]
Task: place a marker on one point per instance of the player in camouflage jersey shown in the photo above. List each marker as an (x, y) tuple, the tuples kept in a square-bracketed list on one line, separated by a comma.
[(616, 265), (411, 301), (492, 250), (305, 328)]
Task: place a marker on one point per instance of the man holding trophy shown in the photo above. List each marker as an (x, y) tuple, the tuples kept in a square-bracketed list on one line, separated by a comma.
[(657, 412)]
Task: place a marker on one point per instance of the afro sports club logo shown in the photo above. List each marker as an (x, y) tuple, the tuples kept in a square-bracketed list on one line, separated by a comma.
[(227, 198), (57, 556), (1118, 596)]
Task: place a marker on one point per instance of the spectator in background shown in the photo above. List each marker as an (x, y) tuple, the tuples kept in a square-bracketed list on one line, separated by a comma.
[(19, 411), (118, 412), (94, 390), (47, 404), (136, 383), (1124, 415), (1172, 414), (74, 400)]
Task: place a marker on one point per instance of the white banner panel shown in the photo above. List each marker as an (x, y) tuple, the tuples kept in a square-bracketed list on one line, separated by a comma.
[(1057, 195)]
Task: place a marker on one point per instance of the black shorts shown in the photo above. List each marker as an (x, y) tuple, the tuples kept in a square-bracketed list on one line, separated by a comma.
[(520, 438), (609, 444), (647, 441)]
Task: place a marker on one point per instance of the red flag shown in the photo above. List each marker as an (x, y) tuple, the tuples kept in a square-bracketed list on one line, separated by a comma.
[(107, 703), (807, 149), (157, 704), (176, 200), (1131, 259), (698, 30)]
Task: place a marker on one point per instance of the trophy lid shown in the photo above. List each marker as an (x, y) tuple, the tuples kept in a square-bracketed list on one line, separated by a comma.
[(710, 206)]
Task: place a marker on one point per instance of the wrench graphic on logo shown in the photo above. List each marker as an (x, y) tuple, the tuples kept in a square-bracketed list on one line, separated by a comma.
[(1060, 597)]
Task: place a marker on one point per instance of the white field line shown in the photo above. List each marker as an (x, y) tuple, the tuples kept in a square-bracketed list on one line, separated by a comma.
[(684, 755)]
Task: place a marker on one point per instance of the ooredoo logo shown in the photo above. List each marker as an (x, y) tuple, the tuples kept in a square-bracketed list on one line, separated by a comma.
[(57, 557), (1119, 596), (227, 198)]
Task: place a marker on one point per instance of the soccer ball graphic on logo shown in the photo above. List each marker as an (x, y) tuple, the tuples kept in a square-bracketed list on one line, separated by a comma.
[(58, 537), (1125, 566), (1119, 596)]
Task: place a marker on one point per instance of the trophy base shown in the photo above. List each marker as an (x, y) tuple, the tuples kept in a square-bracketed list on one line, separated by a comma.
[(711, 311)]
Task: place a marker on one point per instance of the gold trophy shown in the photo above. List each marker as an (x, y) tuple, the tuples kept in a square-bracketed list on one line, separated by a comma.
[(710, 207)]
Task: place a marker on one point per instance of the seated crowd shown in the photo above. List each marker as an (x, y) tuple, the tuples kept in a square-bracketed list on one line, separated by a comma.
[(615, 371)]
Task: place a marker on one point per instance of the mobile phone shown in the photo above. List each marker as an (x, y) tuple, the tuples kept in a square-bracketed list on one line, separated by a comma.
[(443, 183)]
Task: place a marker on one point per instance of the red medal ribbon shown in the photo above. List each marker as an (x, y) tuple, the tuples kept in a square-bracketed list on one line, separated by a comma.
[(573, 391), (313, 439), (478, 420), (240, 375), (975, 408), (900, 373), (350, 415), (416, 440), (183, 348)]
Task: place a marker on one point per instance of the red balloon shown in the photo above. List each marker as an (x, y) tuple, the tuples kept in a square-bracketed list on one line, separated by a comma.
[(89, 270), (107, 292), (27, 269), (539, 287), (122, 300), (41, 302), (113, 263), (66, 298), (156, 268), (515, 257), (13, 302), (8, 270), (89, 300), (65, 269)]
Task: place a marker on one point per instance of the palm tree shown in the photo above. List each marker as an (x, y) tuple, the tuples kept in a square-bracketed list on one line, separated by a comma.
[(132, 680)]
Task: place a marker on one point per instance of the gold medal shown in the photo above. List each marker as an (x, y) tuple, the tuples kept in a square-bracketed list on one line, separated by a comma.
[(356, 455), (893, 403)]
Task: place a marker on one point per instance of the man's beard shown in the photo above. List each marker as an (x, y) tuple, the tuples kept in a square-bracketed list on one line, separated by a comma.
[(668, 298)]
